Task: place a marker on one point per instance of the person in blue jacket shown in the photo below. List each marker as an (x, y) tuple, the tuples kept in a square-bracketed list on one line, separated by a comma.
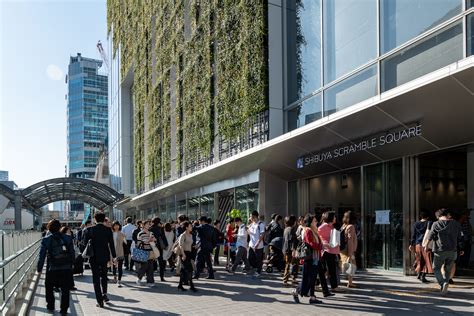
[(59, 250)]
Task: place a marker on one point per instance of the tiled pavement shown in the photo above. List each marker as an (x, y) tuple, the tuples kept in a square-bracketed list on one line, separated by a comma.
[(379, 293)]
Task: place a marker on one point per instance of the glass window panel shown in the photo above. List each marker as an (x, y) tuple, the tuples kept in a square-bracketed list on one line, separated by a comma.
[(439, 50), (354, 89), (470, 34), (402, 20), (350, 35), (469, 3), (303, 48), (247, 200), (308, 111)]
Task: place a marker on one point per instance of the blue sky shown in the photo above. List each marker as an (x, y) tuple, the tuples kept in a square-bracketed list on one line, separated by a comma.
[(36, 40)]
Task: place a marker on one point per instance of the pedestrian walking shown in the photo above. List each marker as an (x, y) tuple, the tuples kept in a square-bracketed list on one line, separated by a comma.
[(207, 240), (348, 245), (220, 241), (102, 243), (144, 238), (312, 246), (447, 236), (168, 252), (161, 244), (242, 245), (256, 232), (422, 256), (290, 243), (59, 250), (185, 245), (128, 232), (329, 257), (120, 243)]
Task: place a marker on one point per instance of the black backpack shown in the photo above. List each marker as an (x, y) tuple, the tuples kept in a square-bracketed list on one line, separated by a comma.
[(343, 241), (59, 254)]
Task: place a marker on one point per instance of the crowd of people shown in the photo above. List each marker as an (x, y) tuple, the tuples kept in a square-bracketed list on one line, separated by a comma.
[(441, 245), (316, 248)]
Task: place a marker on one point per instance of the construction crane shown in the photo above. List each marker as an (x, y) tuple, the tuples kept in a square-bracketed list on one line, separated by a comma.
[(103, 54)]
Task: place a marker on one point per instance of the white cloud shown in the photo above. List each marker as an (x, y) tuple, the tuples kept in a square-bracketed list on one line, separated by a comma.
[(54, 72)]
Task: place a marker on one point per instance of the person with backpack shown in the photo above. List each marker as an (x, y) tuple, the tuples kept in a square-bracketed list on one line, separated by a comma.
[(290, 243), (161, 244), (102, 242), (256, 232), (59, 250), (348, 244), (447, 236), (422, 256)]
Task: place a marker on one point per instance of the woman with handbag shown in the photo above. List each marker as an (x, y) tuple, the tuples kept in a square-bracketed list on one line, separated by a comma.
[(422, 257), (309, 253), (119, 242), (349, 247), (184, 249), (144, 238), (330, 251)]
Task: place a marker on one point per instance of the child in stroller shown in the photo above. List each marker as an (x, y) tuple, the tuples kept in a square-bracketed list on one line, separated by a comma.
[(275, 257)]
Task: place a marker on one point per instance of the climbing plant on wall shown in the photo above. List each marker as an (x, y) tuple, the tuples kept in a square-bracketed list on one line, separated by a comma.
[(213, 54)]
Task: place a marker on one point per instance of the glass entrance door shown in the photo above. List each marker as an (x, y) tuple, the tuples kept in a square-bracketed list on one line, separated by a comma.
[(383, 192)]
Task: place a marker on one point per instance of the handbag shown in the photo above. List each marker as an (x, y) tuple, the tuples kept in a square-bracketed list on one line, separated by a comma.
[(304, 252), (425, 243), (140, 255), (88, 251), (156, 251), (349, 268), (335, 238)]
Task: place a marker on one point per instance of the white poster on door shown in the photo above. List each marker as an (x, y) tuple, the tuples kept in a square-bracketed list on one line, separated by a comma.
[(382, 217)]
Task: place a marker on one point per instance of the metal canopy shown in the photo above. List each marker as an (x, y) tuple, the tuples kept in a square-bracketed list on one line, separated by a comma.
[(7, 192), (74, 189)]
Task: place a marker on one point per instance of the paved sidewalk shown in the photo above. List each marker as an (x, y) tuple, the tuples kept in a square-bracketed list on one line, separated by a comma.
[(380, 293)]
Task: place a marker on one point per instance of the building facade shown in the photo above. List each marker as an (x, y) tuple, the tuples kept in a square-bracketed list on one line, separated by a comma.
[(3, 175), (354, 105), (87, 117)]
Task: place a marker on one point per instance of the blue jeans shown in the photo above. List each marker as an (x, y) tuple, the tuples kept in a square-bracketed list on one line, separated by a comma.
[(446, 258)]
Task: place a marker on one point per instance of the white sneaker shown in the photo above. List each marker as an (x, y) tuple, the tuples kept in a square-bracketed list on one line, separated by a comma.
[(139, 282), (256, 275), (119, 284), (444, 288)]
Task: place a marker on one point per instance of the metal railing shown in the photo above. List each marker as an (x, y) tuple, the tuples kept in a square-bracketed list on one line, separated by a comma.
[(19, 254)]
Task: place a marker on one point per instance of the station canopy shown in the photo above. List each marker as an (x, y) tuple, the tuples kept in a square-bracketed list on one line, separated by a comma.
[(73, 189)]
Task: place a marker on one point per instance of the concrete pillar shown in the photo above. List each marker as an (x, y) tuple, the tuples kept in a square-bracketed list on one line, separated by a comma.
[(275, 69), (272, 195), (17, 210), (410, 183), (470, 187), (303, 197)]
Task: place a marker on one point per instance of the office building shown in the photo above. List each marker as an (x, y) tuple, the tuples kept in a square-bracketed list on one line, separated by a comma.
[(87, 117)]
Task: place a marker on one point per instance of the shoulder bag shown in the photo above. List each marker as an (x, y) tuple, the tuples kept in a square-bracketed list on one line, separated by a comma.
[(88, 251)]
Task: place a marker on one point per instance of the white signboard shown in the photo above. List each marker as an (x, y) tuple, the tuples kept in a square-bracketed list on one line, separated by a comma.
[(382, 217)]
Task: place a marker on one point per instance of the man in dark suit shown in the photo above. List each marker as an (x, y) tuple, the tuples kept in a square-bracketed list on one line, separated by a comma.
[(207, 238), (103, 248)]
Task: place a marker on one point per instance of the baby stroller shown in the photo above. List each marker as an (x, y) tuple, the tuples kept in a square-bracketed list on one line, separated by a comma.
[(275, 257)]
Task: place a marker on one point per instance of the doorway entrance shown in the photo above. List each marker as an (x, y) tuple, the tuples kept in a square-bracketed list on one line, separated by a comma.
[(382, 194)]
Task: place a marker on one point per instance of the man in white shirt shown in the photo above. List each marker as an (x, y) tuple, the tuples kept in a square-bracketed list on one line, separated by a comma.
[(128, 231), (256, 232), (241, 245)]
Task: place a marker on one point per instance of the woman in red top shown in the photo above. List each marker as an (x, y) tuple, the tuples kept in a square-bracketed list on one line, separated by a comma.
[(329, 257), (310, 265), (229, 235)]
